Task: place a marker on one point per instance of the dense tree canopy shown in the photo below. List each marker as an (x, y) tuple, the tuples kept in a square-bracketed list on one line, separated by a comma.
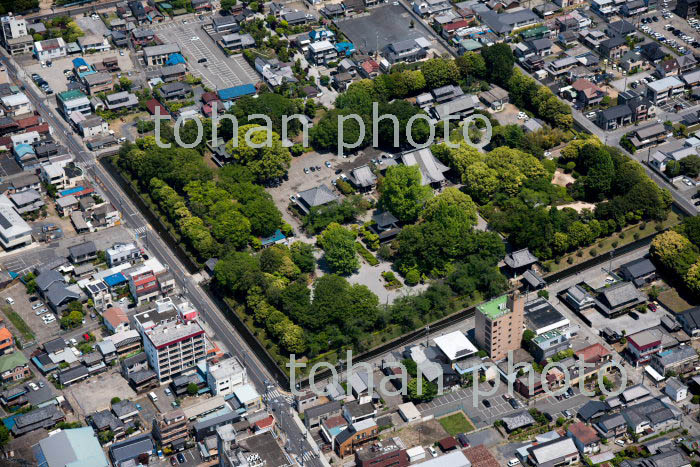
[(402, 192), (269, 161), (338, 244)]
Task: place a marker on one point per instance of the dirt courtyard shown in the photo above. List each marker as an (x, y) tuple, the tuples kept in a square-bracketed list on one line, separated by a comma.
[(422, 434), (561, 178)]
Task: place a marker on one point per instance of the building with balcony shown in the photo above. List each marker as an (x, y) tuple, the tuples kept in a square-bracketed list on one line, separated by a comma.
[(171, 428), (499, 325), (225, 376), (174, 347), (642, 346)]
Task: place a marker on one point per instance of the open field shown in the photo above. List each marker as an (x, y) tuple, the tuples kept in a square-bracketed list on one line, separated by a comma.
[(456, 423)]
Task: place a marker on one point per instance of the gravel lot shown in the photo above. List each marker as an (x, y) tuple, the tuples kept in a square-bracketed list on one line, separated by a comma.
[(92, 396)]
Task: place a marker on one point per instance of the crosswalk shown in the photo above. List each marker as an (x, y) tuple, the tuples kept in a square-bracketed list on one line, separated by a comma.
[(140, 230), (273, 394), (308, 455)]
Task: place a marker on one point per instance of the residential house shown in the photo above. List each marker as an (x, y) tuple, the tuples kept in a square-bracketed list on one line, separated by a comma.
[(237, 41), (587, 93), (585, 438), (677, 360), (14, 367), (409, 50), (613, 48), (667, 68), (82, 252), (121, 100), (356, 435), (50, 49), (159, 54), (639, 271), (648, 136), (560, 451), (115, 319), (676, 390), (505, 23), (98, 82), (643, 345), (322, 52), (93, 43)]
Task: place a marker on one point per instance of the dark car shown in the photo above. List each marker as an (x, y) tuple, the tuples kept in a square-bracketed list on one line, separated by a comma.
[(633, 315), (655, 19), (463, 440), (514, 403), (173, 461), (338, 171), (652, 305), (202, 60), (487, 403), (180, 458)]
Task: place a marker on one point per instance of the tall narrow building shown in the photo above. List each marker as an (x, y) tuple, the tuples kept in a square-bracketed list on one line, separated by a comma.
[(499, 325)]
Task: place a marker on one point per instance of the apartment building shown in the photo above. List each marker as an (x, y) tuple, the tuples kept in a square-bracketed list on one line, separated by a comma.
[(225, 376), (658, 92), (149, 281), (174, 347), (171, 428), (14, 35), (73, 101), (499, 325)]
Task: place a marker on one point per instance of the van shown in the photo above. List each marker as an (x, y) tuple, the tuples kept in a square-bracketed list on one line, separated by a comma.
[(153, 397), (619, 442), (513, 462)]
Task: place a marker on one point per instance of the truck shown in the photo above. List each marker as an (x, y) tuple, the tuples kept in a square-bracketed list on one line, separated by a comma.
[(153, 397)]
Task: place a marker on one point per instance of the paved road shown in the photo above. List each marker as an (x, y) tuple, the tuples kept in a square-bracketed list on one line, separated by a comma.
[(132, 218)]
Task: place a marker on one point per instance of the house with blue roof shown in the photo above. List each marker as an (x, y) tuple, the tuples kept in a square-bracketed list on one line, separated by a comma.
[(26, 156), (345, 48), (175, 59), (229, 95), (114, 280), (322, 34), (275, 238), (81, 67)]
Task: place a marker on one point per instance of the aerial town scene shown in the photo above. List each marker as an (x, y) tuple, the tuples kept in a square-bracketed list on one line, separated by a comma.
[(372, 233)]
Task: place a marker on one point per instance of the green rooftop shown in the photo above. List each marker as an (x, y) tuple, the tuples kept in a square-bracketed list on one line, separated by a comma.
[(73, 94), (534, 32), (495, 308), (11, 361)]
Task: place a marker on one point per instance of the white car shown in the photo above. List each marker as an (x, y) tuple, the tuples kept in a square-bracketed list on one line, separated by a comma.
[(10, 300), (73, 341), (513, 462), (37, 305), (619, 442), (49, 319), (33, 386), (432, 450)]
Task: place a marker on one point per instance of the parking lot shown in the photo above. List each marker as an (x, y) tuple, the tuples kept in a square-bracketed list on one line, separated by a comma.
[(660, 31), (92, 396), (219, 71), (384, 25), (55, 76), (483, 416), (23, 307)]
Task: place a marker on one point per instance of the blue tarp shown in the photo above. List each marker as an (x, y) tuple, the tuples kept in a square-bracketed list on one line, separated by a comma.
[(345, 47), (78, 62), (114, 280), (236, 92), (70, 191), (174, 59)]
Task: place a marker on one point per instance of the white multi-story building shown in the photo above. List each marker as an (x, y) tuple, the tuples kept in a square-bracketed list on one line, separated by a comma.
[(174, 347), (122, 253), (14, 35), (50, 49), (225, 376), (14, 231), (53, 174)]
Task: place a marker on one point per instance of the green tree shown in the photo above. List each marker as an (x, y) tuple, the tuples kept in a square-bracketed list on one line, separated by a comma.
[(192, 389), (690, 165), (4, 435), (472, 64), (499, 61), (425, 393), (338, 245), (303, 256), (115, 400), (402, 192), (439, 72), (266, 162), (453, 198)]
